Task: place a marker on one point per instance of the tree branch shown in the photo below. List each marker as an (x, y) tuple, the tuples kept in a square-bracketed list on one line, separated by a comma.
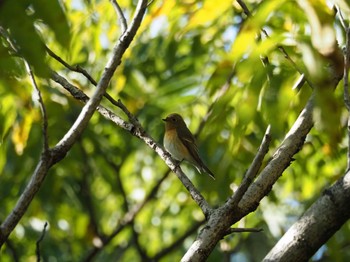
[(127, 220), (75, 68), (120, 14), (346, 87), (222, 218), (64, 145), (79, 125), (37, 251), (137, 130), (316, 226), (232, 230), (141, 134), (252, 171), (41, 105)]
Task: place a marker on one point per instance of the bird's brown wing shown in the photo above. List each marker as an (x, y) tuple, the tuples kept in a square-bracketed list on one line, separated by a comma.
[(190, 143)]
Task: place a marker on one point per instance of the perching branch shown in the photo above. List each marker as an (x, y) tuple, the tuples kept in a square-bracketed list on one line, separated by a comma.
[(137, 130), (141, 133)]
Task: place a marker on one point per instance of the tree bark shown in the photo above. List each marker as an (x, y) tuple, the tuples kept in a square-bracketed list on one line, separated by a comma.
[(316, 226)]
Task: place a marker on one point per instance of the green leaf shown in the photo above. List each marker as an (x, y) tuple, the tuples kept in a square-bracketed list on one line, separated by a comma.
[(52, 15), (21, 30)]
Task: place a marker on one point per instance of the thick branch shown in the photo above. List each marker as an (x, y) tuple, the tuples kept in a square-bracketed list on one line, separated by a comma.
[(222, 218), (316, 226), (281, 159)]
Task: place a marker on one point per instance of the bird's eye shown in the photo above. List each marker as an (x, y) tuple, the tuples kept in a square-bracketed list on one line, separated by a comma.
[(174, 119)]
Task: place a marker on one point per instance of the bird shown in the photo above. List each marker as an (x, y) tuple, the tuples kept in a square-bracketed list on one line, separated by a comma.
[(181, 144)]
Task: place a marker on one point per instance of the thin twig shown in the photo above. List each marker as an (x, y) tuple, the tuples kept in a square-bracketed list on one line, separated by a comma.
[(346, 76), (252, 171), (82, 71), (121, 15), (346, 88), (38, 257), (4, 33), (244, 7), (75, 68), (341, 18), (243, 230), (81, 96), (346, 70), (85, 192), (12, 249), (41, 105)]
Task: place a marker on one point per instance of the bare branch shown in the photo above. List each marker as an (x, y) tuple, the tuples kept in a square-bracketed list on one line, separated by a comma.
[(11, 247), (136, 129), (38, 257), (75, 68), (243, 230), (252, 171), (244, 7), (3, 32), (42, 107), (316, 226), (346, 88), (64, 145), (121, 16), (79, 125), (341, 18)]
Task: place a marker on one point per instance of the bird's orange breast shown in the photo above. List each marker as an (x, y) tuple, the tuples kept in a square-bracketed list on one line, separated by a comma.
[(174, 145)]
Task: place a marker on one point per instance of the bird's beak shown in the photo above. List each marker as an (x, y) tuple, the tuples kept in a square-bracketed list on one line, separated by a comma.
[(165, 119)]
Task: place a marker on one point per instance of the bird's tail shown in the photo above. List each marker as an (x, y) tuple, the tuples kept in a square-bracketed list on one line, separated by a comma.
[(204, 169)]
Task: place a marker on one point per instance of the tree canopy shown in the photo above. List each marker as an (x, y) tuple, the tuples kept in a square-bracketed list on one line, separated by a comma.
[(237, 71)]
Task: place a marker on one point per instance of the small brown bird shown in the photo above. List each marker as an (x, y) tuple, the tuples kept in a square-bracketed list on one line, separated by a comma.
[(181, 144)]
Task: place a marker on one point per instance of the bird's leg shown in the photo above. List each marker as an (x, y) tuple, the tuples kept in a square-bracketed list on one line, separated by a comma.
[(178, 162)]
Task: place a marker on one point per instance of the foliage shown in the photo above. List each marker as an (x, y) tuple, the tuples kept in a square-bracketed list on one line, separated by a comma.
[(179, 62)]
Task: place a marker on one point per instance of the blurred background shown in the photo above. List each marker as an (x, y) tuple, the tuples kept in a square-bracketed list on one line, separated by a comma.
[(205, 60)]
